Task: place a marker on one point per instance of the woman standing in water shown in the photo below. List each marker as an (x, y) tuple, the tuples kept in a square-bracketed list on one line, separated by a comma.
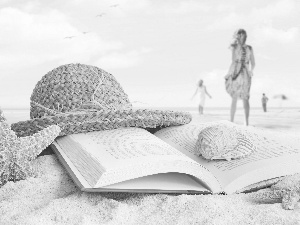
[(238, 79), (201, 91)]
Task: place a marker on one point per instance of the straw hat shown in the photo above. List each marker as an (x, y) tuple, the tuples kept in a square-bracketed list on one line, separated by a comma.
[(82, 98)]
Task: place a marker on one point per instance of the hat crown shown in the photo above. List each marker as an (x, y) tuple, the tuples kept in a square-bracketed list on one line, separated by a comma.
[(69, 87)]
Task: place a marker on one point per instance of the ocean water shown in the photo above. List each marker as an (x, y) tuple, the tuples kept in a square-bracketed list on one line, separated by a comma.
[(290, 114), (15, 115)]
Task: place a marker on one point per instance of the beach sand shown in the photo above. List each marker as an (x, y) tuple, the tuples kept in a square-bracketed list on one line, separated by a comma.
[(52, 198)]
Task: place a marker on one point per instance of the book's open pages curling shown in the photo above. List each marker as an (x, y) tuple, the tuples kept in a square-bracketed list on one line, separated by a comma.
[(133, 159)]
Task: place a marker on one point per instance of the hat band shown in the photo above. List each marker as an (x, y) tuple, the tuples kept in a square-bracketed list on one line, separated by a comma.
[(38, 111)]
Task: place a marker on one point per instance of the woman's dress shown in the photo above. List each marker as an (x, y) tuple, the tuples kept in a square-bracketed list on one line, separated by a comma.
[(202, 95), (239, 87)]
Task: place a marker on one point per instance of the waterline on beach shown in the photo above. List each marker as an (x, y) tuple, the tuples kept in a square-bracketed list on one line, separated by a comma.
[(275, 118)]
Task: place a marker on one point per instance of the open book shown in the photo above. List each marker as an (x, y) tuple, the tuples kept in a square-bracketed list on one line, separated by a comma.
[(134, 160)]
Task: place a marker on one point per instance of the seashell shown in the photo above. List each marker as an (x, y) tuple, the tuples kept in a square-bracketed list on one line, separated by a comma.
[(224, 140)]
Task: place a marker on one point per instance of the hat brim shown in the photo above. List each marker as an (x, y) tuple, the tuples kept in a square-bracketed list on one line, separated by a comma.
[(87, 121)]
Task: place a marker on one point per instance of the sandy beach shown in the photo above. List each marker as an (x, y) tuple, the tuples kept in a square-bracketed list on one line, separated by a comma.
[(52, 198), (83, 66), (283, 119)]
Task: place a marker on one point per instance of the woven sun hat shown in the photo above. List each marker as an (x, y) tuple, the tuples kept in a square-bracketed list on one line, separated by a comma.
[(82, 98)]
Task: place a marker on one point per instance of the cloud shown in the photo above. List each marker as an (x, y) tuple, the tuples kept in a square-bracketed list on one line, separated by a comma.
[(28, 39), (132, 7), (266, 34), (123, 8), (213, 75), (279, 9), (185, 7), (229, 21), (122, 59), (225, 7), (32, 43), (265, 20), (266, 57)]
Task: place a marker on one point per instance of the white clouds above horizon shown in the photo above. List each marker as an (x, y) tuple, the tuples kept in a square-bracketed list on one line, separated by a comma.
[(266, 34), (185, 7), (32, 39), (275, 9), (261, 21), (122, 60), (168, 41)]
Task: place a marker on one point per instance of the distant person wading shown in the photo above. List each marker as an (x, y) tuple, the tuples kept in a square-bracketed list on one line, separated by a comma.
[(238, 79), (264, 101), (201, 91)]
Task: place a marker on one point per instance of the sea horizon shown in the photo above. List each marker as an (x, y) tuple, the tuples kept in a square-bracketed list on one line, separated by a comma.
[(19, 114), (188, 108)]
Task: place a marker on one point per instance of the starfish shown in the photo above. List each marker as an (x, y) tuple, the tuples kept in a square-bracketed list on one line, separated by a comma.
[(16, 153), (287, 190)]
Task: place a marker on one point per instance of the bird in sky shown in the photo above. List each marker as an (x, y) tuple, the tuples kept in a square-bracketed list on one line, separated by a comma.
[(116, 5), (69, 37), (85, 32)]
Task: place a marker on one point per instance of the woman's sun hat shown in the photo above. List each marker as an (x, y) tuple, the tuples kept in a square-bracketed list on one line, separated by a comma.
[(82, 98)]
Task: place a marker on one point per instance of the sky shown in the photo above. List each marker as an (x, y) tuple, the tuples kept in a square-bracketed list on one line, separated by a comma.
[(156, 49)]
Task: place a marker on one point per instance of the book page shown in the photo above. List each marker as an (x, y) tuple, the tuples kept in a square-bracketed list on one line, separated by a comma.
[(278, 156), (158, 183), (117, 155), (117, 148)]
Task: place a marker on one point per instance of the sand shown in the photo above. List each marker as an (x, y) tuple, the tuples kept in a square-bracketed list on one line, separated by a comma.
[(52, 198)]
